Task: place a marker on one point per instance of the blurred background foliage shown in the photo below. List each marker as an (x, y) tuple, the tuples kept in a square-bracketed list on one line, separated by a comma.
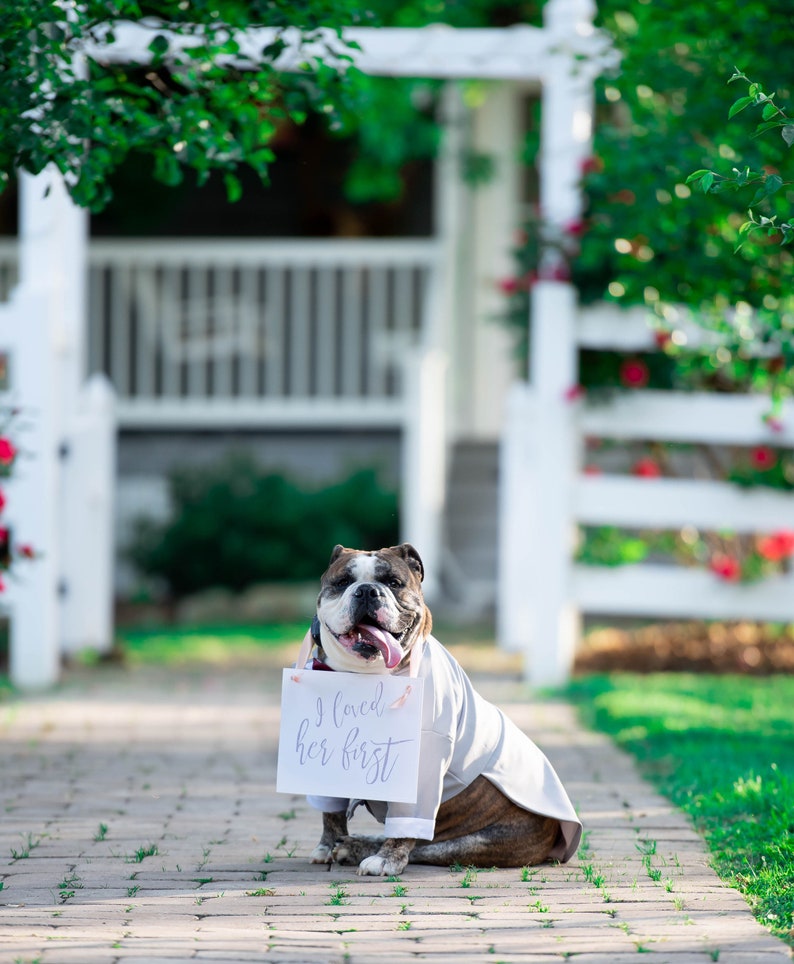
[(235, 525), (647, 238)]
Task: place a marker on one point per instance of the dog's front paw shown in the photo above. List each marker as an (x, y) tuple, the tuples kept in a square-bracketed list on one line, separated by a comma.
[(350, 851), (381, 865), (321, 854)]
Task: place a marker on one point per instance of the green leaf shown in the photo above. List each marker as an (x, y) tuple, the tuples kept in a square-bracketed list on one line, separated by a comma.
[(159, 45), (768, 126), (696, 175), (769, 111), (788, 134), (707, 181), (774, 183), (739, 105), (234, 189), (771, 185)]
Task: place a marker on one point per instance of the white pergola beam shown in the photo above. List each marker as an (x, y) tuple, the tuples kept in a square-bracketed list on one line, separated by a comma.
[(516, 53)]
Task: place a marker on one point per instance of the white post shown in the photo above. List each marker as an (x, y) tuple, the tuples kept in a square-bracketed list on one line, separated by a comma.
[(86, 533), (567, 111), (553, 627), (486, 367), (566, 127), (425, 386), (448, 298), (31, 493), (44, 354), (424, 460), (513, 610)]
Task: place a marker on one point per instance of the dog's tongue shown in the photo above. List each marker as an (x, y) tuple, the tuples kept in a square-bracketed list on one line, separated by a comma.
[(385, 642)]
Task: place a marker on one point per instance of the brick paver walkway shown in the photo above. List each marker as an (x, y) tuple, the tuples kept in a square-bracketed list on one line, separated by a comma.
[(139, 823)]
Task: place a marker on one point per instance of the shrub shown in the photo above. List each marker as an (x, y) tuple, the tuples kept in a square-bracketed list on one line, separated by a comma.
[(233, 526)]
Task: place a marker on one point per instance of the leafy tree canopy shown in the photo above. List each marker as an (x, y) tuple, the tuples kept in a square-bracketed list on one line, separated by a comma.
[(197, 114), (650, 238), (202, 115)]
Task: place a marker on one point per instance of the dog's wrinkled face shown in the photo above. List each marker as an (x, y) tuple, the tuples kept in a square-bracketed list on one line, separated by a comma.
[(371, 608)]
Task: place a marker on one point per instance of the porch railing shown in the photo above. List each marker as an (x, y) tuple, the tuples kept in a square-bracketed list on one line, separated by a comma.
[(216, 331)]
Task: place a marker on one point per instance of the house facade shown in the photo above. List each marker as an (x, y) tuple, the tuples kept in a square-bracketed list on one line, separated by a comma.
[(297, 330), (320, 353)]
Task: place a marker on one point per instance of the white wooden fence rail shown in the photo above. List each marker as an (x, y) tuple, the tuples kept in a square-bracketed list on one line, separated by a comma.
[(543, 593)]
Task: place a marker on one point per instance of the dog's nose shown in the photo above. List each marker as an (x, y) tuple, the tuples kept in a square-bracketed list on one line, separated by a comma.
[(369, 591)]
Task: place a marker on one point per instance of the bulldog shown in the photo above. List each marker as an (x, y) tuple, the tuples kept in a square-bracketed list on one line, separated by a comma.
[(487, 795)]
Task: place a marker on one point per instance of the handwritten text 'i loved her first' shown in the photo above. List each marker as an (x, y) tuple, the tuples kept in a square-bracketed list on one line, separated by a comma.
[(345, 735)]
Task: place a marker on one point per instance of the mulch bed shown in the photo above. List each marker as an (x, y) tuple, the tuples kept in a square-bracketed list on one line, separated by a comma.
[(741, 647)]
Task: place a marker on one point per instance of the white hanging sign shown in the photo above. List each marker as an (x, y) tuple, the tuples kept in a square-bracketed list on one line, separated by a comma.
[(348, 735)]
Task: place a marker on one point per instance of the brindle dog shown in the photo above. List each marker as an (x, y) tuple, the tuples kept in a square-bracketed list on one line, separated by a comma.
[(371, 615)]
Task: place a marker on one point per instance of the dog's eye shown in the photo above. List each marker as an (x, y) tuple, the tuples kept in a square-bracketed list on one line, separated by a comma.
[(394, 584), (343, 582)]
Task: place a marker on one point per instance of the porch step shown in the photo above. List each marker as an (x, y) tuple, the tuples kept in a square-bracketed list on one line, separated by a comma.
[(471, 518)]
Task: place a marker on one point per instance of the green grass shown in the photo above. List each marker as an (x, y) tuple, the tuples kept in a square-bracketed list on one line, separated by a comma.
[(228, 644), (722, 749), (178, 645)]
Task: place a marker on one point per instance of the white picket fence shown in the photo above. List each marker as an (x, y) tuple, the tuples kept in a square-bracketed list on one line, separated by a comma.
[(545, 495)]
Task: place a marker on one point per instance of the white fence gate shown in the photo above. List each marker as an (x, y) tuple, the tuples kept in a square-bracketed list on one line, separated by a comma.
[(545, 495)]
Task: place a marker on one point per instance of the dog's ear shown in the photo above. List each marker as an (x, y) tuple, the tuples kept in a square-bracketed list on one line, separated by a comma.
[(407, 552), (336, 553)]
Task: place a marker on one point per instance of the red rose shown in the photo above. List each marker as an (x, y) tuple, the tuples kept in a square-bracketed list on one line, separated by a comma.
[(2, 501), (634, 373), (575, 228), (623, 197), (572, 393), (662, 338), (763, 458), (778, 546), (508, 286), (7, 451), (647, 468), (26, 551), (559, 271), (592, 165), (726, 567)]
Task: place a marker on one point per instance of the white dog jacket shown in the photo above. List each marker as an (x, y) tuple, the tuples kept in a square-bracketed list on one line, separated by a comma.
[(464, 736)]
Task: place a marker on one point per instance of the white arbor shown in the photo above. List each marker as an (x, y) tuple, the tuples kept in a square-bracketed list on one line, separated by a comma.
[(61, 498)]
